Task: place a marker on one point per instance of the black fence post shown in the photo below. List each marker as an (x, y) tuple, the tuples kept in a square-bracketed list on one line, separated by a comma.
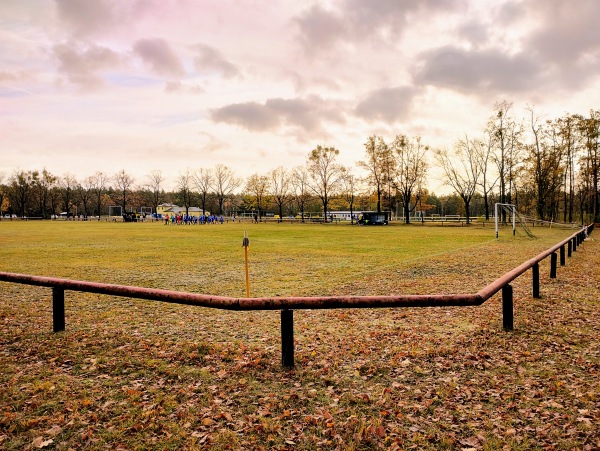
[(535, 272), (569, 248), (574, 244), (58, 309), (553, 265), (563, 260), (507, 307), (287, 338)]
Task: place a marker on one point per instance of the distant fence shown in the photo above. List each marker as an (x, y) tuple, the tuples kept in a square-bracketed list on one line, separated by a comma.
[(287, 305)]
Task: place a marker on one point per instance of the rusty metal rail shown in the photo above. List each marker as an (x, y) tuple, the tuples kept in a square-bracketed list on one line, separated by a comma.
[(288, 304)]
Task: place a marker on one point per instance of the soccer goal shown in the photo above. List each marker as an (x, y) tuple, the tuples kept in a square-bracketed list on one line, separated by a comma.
[(115, 210), (146, 211), (510, 209)]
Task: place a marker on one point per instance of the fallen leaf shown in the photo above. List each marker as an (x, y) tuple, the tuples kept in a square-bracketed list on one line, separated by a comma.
[(54, 431), (39, 442)]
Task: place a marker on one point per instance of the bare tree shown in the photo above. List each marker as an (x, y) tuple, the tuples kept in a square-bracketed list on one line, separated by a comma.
[(203, 183), (3, 193), (54, 198), (463, 169), (280, 188), (348, 190), (68, 183), (378, 163), (157, 193), (20, 190), (324, 174), (257, 188), (184, 185), (589, 129), (299, 181), (44, 182), (545, 165), (124, 183), (567, 130), (224, 183), (489, 178), (410, 171), (85, 191), (99, 180), (506, 133)]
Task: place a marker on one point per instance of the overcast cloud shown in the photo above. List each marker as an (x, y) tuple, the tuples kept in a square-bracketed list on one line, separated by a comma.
[(255, 84)]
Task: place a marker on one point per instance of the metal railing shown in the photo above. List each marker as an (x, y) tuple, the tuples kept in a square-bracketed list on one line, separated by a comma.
[(288, 304)]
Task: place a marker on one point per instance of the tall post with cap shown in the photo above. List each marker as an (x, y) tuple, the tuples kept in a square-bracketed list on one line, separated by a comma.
[(246, 245)]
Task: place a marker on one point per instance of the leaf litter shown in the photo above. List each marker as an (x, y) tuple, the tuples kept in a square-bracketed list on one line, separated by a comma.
[(133, 374)]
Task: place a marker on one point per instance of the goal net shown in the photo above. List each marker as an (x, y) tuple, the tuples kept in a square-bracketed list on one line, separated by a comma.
[(115, 210), (146, 210), (510, 211)]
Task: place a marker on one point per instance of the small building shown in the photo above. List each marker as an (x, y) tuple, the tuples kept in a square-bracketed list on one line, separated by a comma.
[(172, 209), (373, 218)]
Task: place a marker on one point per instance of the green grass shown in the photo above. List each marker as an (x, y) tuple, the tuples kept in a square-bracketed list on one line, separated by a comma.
[(285, 259), (135, 374)]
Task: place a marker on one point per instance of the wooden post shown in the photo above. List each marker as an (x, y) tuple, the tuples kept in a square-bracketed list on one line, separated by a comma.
[(569, 248), (507, 307), (246, 245), (553, 265), (58, 309), (563, 261), (535, 271), (287, 338)]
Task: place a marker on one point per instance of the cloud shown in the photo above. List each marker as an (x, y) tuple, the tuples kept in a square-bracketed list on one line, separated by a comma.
[(474, 32), (553, 46), (158, 54), (14, 75), (568, 30), (355, 21), (371, 17), (387, 104), (320, 29), (210, 143), (478, 70), (81, 65), (250, 115), (307, 114), (85, 18), (567, 38), (306, 83), (179, 87), (209, 59)]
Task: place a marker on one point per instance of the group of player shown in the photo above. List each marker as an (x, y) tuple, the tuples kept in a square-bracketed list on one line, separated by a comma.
[(192, 220)]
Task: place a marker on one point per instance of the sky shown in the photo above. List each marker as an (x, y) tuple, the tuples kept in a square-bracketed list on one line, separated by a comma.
[(172, 85)]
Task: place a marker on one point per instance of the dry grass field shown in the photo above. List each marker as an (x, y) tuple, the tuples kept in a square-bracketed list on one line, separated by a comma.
[(137, 375)]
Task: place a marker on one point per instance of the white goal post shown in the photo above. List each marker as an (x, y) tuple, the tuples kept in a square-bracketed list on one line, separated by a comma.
[(146, 210), (510, 208)]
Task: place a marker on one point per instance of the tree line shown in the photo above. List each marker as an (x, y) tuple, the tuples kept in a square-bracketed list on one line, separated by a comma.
[(547, 167)]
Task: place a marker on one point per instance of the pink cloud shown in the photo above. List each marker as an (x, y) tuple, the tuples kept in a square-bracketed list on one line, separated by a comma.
[(158, 54), (81, 66)]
